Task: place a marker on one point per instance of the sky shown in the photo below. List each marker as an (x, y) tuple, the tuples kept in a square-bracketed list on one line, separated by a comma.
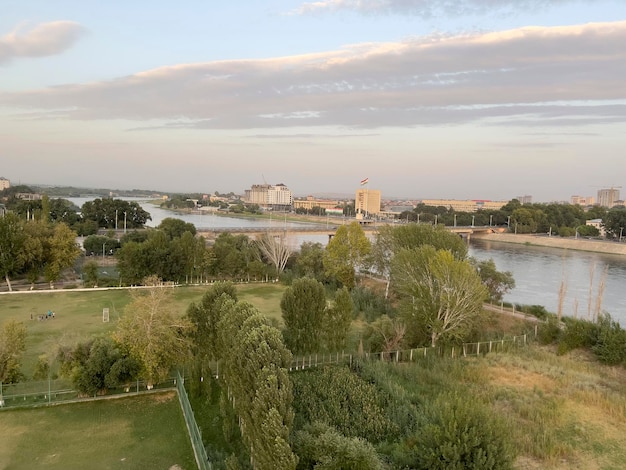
[(428, 99)]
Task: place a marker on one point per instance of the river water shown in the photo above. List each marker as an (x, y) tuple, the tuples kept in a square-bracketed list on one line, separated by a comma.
[(539, 272)]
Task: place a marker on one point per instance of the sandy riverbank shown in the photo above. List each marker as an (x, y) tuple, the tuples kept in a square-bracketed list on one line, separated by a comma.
[(581, 244)]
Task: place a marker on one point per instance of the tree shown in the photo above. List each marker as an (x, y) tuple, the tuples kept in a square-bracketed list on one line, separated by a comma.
[(12, 345), (439, 295), (390, 240), (309, 261), (322, 447), (615, 222), (337, 321), (151, 332), (276, 249), (174, 228), (303, 306), (90, 274), (63, 252), (12, 240), (497, 282), (346, 253)]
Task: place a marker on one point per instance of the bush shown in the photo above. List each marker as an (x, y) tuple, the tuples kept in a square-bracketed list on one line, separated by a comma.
[(321, 447), (372, 304), (577, 334), (549, 332), (459, 434), (610, 347)]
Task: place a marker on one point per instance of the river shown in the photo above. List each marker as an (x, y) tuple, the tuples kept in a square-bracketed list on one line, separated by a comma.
[(538, 271)]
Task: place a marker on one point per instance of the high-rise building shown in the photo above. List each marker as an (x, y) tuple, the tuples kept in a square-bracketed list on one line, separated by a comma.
[(270, 197), (608, 197), (583, 201), (525, 199), (367, 202)]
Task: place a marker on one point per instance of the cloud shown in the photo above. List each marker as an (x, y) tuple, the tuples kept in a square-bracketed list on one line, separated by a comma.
[(560, 75), (428, 8), (45, 39)]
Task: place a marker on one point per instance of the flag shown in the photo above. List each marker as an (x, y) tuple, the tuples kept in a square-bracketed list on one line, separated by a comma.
[(365, 181)]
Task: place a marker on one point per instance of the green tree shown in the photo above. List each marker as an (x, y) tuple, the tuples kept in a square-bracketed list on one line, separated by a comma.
[(303, 306), (615, 222), (337, 321), (457, 435), (12, 346), (12, 240), (174, 228), (310, 261), (63, 252), (391, 239), (346, 253), (322, 447), (90, 273), (498, 283), (152, 333), (439, 295)]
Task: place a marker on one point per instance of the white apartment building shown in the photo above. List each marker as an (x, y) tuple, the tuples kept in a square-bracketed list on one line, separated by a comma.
[(269, 197)]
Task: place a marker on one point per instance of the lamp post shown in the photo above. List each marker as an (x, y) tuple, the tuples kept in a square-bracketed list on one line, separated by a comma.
[(116, 220), (621, 229), (455, 220), (490, 220), (124, 221), (103, 246), (436, 220), (418, 218), (508, 221), (472, 221)]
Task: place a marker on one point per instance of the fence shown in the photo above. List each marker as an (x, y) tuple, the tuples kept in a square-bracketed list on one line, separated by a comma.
[(47, 392), (411, 355), (194, 432)]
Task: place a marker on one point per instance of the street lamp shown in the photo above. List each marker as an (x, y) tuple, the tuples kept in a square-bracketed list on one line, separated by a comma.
[(124, 221), (455, 220), (103, 245), (436, 219), (508, 221), (621, 229), (490, 220), (472, 221)]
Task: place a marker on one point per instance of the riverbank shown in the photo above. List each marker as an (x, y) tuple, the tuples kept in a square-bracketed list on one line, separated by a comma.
[(579, 244)]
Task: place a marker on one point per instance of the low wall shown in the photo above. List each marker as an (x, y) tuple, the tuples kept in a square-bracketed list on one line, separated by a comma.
[(581, 244)]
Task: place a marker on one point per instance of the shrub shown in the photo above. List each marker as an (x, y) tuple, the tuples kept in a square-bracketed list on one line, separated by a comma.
[(577, 334), (372, 304), (322, 447), (549, 332), (610, 347), (459, 434)]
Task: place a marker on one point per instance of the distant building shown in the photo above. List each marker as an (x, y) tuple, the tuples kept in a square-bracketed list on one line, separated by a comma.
[(269, 197), (3, 210), (467, 205), (525, 199), (367, 202), (583, 201), (597, 223), (310, 202), (4, 183), (608, 197)]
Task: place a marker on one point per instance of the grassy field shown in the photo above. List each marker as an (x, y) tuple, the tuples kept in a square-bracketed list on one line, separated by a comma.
[(147, 431), (78, 314)]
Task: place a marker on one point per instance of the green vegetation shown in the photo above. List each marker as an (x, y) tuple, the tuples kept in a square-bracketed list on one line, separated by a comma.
[(133, 432)]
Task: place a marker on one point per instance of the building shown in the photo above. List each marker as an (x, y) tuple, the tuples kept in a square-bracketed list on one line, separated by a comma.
[(467, 205), (367, 202), (597, 223), (4, 183), (310, 202), (269, 197), (583, 201), (526, 199), (608, 197)]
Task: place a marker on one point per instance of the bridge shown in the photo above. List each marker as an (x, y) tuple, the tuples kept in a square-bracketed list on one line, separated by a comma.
[(463, 231)]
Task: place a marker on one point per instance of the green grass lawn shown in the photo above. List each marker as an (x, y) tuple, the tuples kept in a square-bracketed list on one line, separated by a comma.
[(78, 314), (145, 431)]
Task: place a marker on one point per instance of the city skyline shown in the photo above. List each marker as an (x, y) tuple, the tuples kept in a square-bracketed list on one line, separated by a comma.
[(426, 99)]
